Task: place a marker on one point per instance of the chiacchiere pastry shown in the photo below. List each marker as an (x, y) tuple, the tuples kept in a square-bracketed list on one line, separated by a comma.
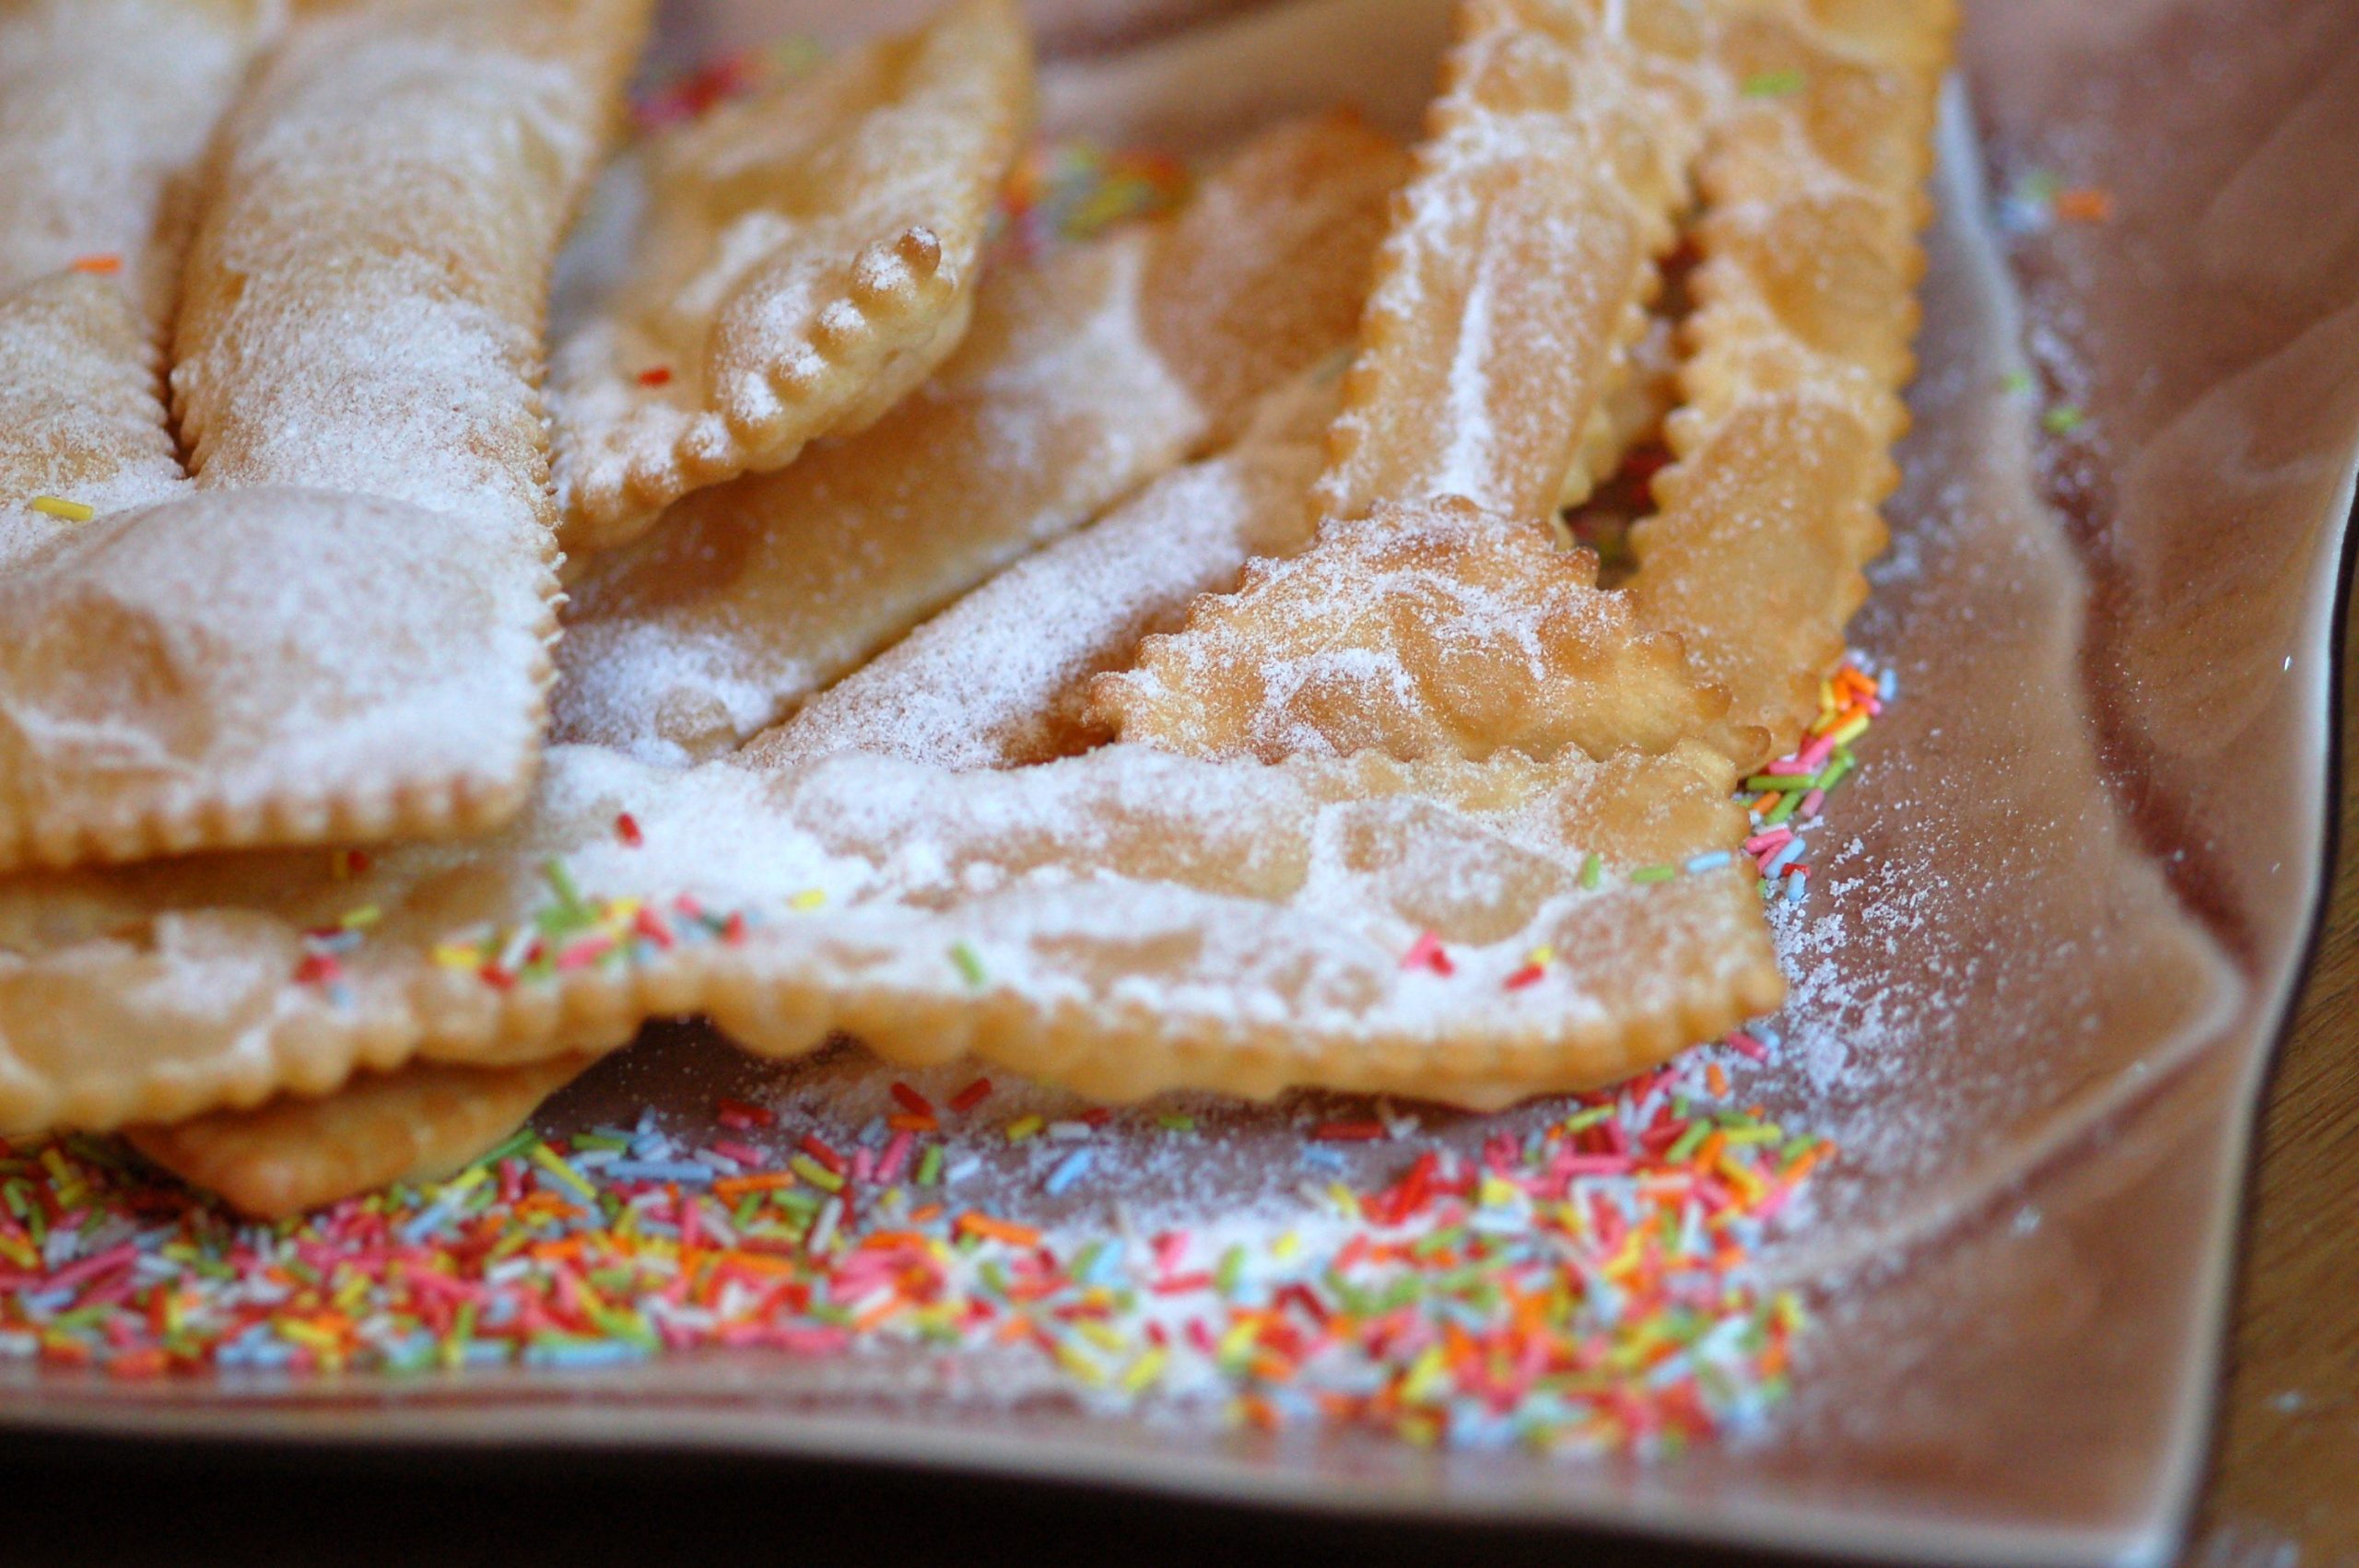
[(1312, 763), (339, 629), (803, 258), (1088, 372)]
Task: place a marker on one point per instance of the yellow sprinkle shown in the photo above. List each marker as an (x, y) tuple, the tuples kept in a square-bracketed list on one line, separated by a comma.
[(58, 507), (1423, 1375), (1069, 1356), (1102, 1335), (1238, 1340), (549, 1160), (1143, 1370), (1286, 1245), (1023, 1128), (1541, 957), (310, 1336), (361, 919), (1844, 735), (1347, 1204), (1497, 1194), (457, 955), (809, 899)]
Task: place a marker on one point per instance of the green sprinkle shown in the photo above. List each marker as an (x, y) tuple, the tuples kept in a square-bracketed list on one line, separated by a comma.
[(2039, 185), (1176, 1123), (516, 1143), (1784, 809), (930, 1165), (815, 1172), (1775, 83), (1654, 874), (1230, 1272), (1763, 783), (971, 966), (560, 881), (2016, 382), (1591, 869), (2062, 419), (1688, 1141)]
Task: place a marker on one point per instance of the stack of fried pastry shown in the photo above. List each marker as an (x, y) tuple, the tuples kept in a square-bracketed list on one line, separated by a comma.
[(1138, 662)]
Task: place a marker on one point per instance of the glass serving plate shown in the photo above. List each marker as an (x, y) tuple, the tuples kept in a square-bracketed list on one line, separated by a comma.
[(2061, 912)]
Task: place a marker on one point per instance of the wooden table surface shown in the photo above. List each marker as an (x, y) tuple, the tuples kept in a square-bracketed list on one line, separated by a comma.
[(2284, 1487)]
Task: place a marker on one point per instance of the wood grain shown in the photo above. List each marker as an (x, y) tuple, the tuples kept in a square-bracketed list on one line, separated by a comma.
[(2284, 1488)]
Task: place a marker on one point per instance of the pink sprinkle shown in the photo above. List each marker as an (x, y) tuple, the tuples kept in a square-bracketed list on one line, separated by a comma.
[(1767, 843), (863, 1165), (116, 1257), (1745, 1045), (1169, 1248), (745, 1154), (1811, 801), (1786, 768), (1813, 757), (896, 1152), (1595, 1164)]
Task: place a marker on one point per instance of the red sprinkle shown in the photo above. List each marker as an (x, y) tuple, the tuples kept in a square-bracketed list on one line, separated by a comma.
[(813, 1146), (1428, 952), (657, 377), (737, 1113), (1530, 975), (1348, 1131), (910, 1100), (317, 968), (627, 829), (967, 1099)]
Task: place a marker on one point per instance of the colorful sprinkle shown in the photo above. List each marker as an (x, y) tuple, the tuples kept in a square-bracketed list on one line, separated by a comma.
[(64, 509)]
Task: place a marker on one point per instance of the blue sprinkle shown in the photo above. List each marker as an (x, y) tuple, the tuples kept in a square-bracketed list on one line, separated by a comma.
[(1071, 1169), (1794, 890), (1325, 1158), (585, 1353), (1711, 862), (1886, 686), (685, 1171), (1788, 853)]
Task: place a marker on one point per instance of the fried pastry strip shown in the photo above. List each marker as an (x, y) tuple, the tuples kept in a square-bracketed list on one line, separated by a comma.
[(105, 107), (421, 1123), (805, 258), (1428, 631), (1515, 278), (1000, 678), (1085, 374), (342, 634), (1798, 347), (1122, 921)]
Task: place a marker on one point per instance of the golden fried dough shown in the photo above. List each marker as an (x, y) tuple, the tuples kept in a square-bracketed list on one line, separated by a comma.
[(342, 634), (803, 258), (1085, 374), (419, 1124)]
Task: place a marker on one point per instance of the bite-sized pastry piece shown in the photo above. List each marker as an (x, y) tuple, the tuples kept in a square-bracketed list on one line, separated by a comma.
[(1798, 347), (105, 110), (801, 259), (1087, 372), (1513, 285), (421, 1123), (342, 634), (1436, 630)]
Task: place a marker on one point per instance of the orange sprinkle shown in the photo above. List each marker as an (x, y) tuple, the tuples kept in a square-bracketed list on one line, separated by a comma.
[(2087, 205), (879, 1240), (976, 1224), (1709, 1154), (768, 1181), (656, 377), (104, 264), (1808, 1161), (877, 1314), (1717, 1079), (901, 1122), (926, 1215)]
